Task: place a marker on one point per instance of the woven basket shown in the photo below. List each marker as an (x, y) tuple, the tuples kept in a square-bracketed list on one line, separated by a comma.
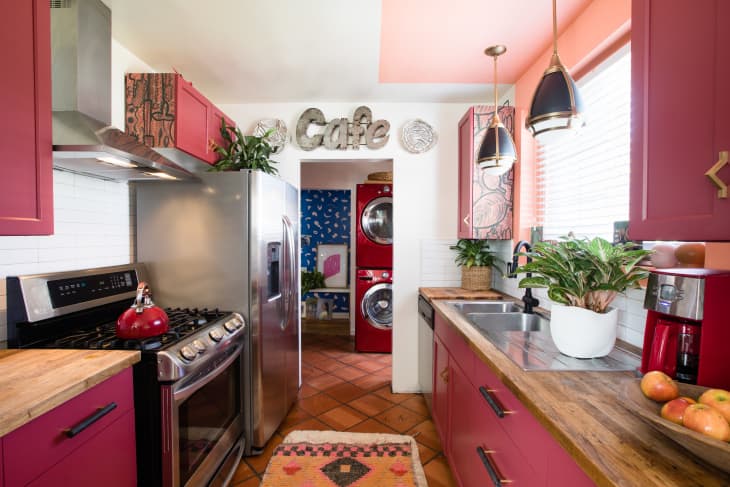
[(384, 176), (476, 278)]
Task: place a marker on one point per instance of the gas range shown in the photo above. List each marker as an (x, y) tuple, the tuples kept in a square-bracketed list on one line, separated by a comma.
[(187, 387)]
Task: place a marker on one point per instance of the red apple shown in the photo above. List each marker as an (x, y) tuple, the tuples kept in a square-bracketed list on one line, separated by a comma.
[(674, 409), (718, 399), (659, 386), (706, 420)]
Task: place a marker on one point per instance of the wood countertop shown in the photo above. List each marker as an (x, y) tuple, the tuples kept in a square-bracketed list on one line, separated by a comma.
[(584, 413), (32, 382), (432, 293)]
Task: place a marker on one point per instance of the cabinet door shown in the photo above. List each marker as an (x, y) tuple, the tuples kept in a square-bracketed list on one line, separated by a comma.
[(214, 132), (441, 375), (26, 185), (193, 114), (466, 172), (677, 137)]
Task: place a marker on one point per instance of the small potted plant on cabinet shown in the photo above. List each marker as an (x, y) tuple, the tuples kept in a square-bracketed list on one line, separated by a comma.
[(244, 151), (582, 278), (476, 262)]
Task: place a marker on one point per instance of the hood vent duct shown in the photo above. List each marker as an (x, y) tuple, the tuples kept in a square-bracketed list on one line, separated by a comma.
[(84, 141)]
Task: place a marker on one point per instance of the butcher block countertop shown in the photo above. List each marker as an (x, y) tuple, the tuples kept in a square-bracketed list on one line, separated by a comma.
[(432, 293), (32, 382), (584, 413)]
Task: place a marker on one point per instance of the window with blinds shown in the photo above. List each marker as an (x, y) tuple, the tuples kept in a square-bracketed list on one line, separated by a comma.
[(583, 181)]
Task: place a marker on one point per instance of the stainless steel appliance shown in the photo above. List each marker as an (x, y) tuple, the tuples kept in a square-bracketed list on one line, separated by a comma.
[(425, 349), (187, 388), (232, 241)]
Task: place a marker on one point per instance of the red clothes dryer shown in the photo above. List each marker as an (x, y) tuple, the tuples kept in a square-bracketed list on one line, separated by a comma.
[(374, 226), (374, 320)]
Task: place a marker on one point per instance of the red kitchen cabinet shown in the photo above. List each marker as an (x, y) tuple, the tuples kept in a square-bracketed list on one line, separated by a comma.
[(678, 137), (26, 181), (485, 430), (166, 112), (485, 202), (42, 453)]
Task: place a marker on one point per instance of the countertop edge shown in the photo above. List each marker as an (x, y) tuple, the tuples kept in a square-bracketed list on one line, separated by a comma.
[(43, 403)]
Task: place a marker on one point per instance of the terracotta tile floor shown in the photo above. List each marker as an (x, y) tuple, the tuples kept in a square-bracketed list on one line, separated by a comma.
[(347, 391)]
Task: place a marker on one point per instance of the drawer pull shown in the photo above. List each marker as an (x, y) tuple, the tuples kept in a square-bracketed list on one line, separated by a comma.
[(497, 479), (100, 413), (492, 401), (445, 375), (712, 174)]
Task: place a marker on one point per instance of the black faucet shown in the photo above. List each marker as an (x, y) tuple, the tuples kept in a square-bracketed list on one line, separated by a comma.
[(529, 301)]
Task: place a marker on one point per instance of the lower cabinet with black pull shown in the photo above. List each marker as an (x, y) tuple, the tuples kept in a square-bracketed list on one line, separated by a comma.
[(488, 436), (88, 440)]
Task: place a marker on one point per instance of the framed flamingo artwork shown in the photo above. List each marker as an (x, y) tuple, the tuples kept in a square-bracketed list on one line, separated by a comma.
[(332, 262)]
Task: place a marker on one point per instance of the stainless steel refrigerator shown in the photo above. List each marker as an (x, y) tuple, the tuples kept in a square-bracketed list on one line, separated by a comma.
[(231, 241)]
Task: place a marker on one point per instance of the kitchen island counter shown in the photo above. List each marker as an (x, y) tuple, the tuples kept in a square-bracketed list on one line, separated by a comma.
[(32, 382), (584, 413)]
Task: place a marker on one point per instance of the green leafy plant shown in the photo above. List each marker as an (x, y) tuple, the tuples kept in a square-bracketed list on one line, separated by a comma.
[(583, 273), (311, 280), (470, 253), (243, 151)]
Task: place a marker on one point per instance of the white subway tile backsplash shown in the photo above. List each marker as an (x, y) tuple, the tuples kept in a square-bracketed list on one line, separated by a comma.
[(438, 268), (93, 228)]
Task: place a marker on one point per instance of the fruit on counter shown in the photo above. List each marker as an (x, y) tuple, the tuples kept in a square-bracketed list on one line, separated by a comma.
[(690, 254), (674, 409), (706, 420), (659, 386), (718, 399), (663, 256)]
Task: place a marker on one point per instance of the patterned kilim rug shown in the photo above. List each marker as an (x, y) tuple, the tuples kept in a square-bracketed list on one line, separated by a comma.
[(331, 458)]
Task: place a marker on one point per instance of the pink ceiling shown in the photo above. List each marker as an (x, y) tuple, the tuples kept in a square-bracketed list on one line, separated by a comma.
[(437, 41)]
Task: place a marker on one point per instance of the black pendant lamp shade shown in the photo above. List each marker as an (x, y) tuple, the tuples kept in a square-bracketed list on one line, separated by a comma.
[(497, 152), (556, 104)]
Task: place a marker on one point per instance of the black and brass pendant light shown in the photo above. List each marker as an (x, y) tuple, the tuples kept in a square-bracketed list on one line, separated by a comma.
[(497, 152), (556, 105)]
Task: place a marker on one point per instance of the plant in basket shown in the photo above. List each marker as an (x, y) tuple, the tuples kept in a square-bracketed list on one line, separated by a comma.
[(582, 278), (476, 262)]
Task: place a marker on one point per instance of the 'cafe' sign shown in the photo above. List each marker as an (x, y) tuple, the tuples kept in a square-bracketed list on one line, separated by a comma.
[(339, 133)]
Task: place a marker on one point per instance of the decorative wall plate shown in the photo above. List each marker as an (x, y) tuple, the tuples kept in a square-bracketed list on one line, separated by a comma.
[(418, 136), (277, 139)]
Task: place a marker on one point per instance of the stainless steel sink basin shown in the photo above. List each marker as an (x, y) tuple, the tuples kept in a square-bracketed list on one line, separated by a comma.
[(500, 322), (468, 307)]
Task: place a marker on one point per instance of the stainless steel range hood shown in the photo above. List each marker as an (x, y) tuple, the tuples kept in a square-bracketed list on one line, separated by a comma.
[(83, 139)]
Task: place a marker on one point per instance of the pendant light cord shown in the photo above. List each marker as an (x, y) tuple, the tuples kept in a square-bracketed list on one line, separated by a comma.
[(496, 112), (555, 28)]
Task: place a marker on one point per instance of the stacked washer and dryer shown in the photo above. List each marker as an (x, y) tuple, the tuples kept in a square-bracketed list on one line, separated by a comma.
[(374, 261)]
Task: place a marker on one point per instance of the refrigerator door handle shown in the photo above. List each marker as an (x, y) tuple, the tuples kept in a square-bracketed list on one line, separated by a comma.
[(289, 288)]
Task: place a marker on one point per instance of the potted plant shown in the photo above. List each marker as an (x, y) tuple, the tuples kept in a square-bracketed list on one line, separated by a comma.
[(476, 262), (582, 278), (311, 280), (243, 151)]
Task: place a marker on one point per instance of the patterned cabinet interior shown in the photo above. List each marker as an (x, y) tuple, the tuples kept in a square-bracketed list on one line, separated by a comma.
[(485, 202)]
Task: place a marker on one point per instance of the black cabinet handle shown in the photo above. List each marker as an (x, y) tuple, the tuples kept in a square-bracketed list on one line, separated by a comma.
[(491, 469), (75, 430), (492, 402)]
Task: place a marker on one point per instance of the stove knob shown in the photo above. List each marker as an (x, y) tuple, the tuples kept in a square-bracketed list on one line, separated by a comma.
[(188, 354), (199, 345), (230, 326), (238, 323), (216, 334)]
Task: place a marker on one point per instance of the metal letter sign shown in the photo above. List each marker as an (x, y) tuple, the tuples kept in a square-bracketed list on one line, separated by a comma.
[(339, 133)]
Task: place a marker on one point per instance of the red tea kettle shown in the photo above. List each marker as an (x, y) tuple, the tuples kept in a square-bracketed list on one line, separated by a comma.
[(143, 319)]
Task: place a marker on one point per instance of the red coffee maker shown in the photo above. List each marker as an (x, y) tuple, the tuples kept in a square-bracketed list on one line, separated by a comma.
[(687, 333)]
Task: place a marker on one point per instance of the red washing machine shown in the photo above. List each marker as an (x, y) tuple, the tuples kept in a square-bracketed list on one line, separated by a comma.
[(374, 226), (374, 320)]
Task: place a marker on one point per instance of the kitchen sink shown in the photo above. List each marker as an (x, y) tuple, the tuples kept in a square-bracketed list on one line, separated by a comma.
[(471, 307), (508, 321)]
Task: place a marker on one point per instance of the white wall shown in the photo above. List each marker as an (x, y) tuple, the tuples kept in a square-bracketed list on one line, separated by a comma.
[(424, 199), (94, 220)]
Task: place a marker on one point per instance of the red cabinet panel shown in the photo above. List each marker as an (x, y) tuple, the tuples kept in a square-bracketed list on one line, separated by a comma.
[(677, 137), (485, 202), (214, 132), (441, 376), (192, 121), (26, 185), (42, 446)]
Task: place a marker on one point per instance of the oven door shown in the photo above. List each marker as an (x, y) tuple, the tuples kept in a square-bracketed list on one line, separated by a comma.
[(202, 423)]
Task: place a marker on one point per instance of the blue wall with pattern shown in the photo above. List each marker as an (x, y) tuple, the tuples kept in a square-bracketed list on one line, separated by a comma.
[(325, 220)]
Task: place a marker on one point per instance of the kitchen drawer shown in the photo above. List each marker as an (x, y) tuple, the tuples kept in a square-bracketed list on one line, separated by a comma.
[(456, 345), (35, 447)]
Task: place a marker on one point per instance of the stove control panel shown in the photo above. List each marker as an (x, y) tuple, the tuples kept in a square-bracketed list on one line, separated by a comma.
[(65, 292)]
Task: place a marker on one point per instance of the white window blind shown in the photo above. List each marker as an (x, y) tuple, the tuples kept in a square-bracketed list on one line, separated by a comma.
[(583, 181)]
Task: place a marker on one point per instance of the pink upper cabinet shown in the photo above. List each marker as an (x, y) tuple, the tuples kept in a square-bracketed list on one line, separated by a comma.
[(680, 103)]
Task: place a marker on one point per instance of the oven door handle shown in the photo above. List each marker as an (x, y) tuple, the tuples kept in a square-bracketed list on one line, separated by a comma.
[(182, 394)]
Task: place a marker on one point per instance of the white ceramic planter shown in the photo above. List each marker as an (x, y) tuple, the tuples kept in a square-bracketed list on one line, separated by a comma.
[(582, 333)]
